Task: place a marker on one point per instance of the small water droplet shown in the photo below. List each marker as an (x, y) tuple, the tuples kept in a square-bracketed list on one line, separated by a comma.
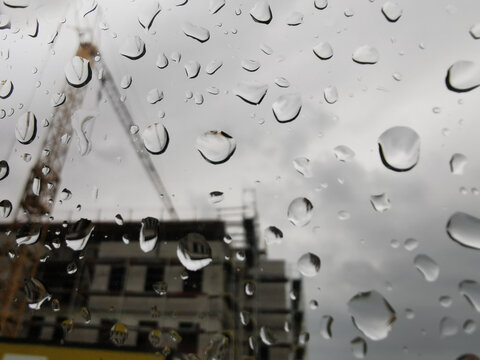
[(463, 76), (469, 326), (216, 147), (133, 47), (464, 229), (309, 264), (5, 208), (475, 31), (366, 54), (282, 82), (287, 107), (427, 267), (194, 252), (300, 211), (261, 12), (458, 163), (192, 68), (399, 148), (148, 11), (251, 91), (160, 287), (72, 268), (267, 336), (448, 327), (118, 333), (6, 88), (272, 235), (295, 18), (392, 11), (330, 94), (303, 166), (359, 348), (326, 327), (36, 293), (410, 244), (343, 153), (380, 202), (250, 65), (155, 138), (323, 50), (78, 72), (196, 32), (216, 197), (470, 289), (26, 128), (78, 234), (320, 4), (213, 66)]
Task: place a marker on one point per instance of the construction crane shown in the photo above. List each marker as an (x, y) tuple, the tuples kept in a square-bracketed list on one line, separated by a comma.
[(41, 189)]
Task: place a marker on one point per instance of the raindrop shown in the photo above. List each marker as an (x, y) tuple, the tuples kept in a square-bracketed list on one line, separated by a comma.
[(323, 50), (28, 234), (410, 244), (126, 81), (196, 32), (308, 264), (458, 163), (154, 96), (31, 27), (133, 47), (427, 267), (215, 5), (303, 166), (464, 229), (287, 107), (359, 347), (272, 235), (65, 194), (162, 61), (475, 31), (267, 336), (330, 94), (397, 76), (471, 291), (55, 305), (266, 49), (58, 99), (5, 208), (119, 220), (261, 12), (320, 4), (160, 288), (399, 148), (198, 98), (448, 327), (4, 169), (78, 234), (78, 72), (88, 7), (148, 11), (216, 197), (303, 338), (155, 138), (36, 293), (300, 211), (380, 202), (72, 268), (469, 326), (392, 11), (176, 56), (326, 327), (86, 316), (282, 82), (26, 128), (250, 65), (251, 91), (445, 301), (343, 153), (148, 234), (216, 147), (250, 288), (194, 252), (192, 68), (409, 314), (295, 18), (217, 348), (213, 66), (6, 88), (463, 76), (366, 55), (17, 3), (155, 338), (372, 314), (118, 333)]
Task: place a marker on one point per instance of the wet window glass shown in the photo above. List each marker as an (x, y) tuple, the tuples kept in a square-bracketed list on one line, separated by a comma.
[(223, 180)]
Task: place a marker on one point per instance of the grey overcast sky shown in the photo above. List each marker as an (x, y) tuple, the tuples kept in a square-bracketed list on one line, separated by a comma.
[(356, 253)]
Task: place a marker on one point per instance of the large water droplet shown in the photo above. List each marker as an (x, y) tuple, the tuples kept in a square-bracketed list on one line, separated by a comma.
[(287, 107), (343, 153), (251, 91), (28, 234), (372, 314), (399, 148), (392, 11), (155, 138), (326, 327), (261, 12), (196, 32), (213, 66), (471, 290), (26, 128), (148, 234), (464, 229), (215, 5), (303, 166), (272, 235), (6, 88), (216, 146), (380, 202), (300, 211), (5, 208), (463, 76), (118, 333), (78, 234), (323, 50), (194, 252), (162, 61), (133, 47), (148, 11), (192, 68), (78, 72), (36, 293), (308, 264), (359, 347), (427, 267), (458, 163), (366, 54), (4, 169), (267, 336), (320, 4), (448, 327)]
